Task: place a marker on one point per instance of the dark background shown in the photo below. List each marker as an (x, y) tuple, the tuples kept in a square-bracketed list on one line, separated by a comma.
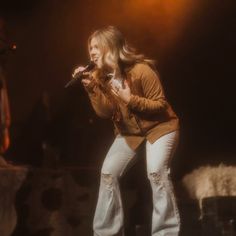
[(193, 42)]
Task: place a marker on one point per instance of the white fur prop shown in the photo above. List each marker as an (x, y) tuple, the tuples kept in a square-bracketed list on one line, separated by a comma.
[(208, 181)]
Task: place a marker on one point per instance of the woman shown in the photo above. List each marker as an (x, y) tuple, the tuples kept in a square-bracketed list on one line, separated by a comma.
[(125, 88)]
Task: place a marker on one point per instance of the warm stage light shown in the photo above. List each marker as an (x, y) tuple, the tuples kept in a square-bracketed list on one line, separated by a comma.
[(165, 19)]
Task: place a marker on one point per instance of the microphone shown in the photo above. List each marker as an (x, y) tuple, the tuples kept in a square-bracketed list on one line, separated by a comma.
[(79, 75)]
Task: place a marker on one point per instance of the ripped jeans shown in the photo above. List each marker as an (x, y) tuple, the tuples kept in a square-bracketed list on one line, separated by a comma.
[(108, 219)]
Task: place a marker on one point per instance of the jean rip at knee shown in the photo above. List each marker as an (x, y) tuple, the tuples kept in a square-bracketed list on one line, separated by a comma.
[(159, 178), (107, 180)]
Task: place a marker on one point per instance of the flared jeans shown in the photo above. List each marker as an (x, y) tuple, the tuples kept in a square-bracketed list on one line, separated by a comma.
[(108, 219)]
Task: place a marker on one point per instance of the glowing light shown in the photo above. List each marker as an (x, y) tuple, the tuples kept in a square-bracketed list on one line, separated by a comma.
[(164, 19)]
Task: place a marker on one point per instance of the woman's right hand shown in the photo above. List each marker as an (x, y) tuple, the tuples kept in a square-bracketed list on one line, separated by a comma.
[(87, 75), (86, 82)]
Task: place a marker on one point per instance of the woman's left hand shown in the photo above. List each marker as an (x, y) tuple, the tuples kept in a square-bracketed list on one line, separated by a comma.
[(123, 93)]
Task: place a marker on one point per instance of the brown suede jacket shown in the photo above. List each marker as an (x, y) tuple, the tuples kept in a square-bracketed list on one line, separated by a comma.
[(147, 116)]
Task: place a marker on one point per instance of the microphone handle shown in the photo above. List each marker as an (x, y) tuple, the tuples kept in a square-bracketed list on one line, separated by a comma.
[(74, 81), (80, 74)]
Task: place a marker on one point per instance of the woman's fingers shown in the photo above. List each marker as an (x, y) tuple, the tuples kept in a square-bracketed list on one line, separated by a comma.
[(115, 92), (78, 70), (86, 74), (86, 82)]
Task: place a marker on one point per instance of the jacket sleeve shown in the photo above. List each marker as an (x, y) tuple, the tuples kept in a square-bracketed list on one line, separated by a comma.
[(100, 103), (153, 99)]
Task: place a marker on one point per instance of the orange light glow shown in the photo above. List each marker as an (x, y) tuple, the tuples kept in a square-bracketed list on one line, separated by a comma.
[(165, 19)]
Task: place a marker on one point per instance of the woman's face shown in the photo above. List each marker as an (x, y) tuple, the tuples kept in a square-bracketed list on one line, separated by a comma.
[(95, 52)]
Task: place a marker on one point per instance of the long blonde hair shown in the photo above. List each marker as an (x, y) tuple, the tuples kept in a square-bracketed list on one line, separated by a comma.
[(117, 54)]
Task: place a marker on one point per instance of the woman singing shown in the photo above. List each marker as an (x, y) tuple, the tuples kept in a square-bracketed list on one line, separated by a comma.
[(125, 88)]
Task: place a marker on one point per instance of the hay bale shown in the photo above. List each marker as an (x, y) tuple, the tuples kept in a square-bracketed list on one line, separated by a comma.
[(209, 181)]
